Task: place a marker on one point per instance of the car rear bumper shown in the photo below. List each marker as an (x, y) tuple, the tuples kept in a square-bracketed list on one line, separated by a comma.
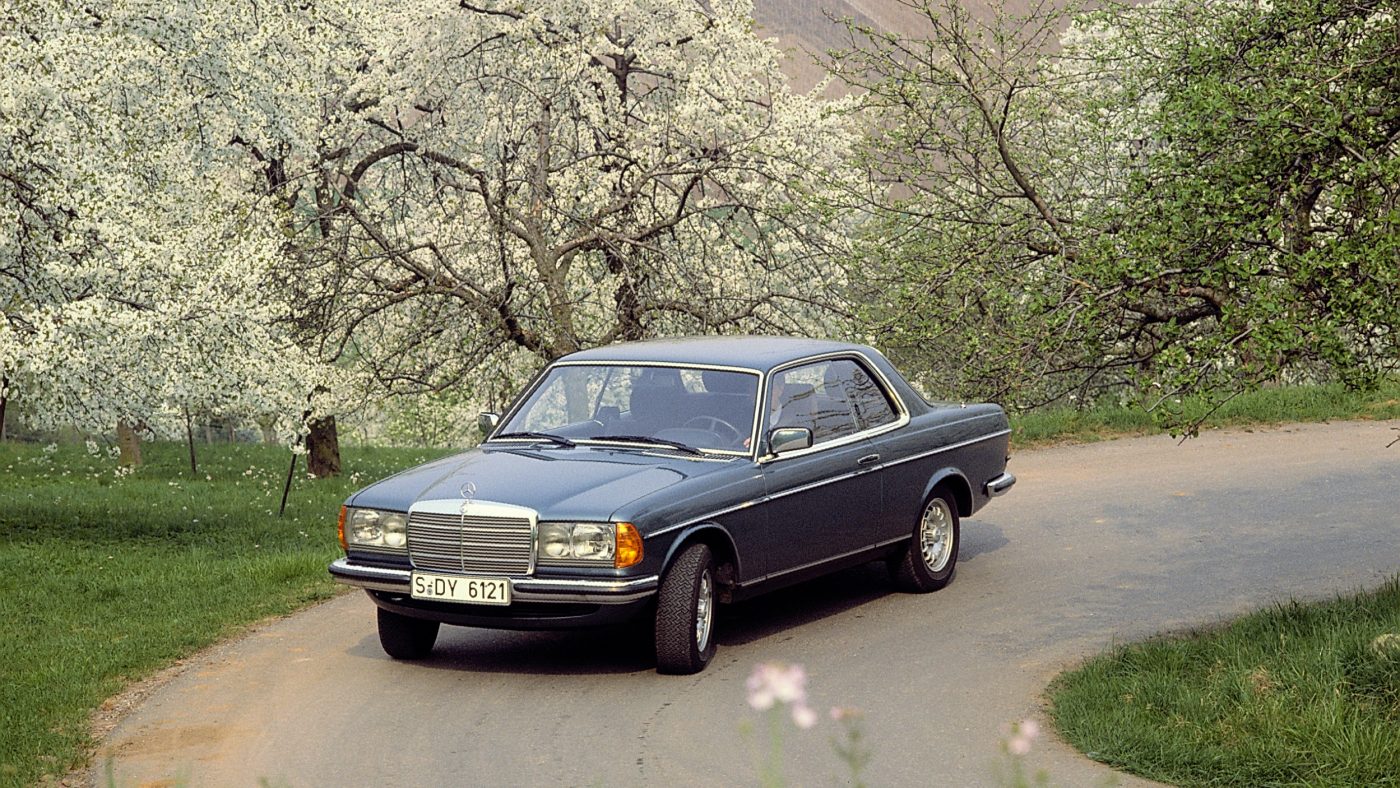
[(1000, 485)]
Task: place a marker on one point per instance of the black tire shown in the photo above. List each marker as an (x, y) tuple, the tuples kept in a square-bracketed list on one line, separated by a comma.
[(913, 569), (685, 644), (402, 637)]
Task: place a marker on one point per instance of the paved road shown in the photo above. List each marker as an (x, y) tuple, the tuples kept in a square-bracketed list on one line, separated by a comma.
[(1096, 544)]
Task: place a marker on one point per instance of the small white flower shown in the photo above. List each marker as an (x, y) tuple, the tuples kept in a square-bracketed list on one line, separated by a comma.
[(803, 716), (1387, 644)]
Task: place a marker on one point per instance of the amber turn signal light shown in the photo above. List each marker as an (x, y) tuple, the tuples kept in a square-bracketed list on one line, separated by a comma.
[(629, 546), (340, 529)]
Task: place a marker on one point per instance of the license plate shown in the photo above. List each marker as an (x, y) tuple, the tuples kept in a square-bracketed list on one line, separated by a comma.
[(457, 588)]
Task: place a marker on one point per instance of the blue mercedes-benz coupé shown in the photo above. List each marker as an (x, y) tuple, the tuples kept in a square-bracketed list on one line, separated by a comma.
[(663, 478)]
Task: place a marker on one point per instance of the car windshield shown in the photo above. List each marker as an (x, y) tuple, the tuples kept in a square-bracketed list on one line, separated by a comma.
[(675, 408)]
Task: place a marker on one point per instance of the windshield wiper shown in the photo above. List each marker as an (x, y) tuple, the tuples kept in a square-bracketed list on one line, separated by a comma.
[(559, 439), (677, 445)]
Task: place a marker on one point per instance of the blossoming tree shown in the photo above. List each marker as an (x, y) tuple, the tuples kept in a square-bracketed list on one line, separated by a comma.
[(215, 201), (136, 257), (509, 182)]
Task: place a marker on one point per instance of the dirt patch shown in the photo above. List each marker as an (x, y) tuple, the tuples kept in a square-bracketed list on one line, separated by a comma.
[(105, 718)]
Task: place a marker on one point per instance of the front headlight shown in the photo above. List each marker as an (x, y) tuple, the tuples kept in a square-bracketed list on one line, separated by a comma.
[(375, 529), (592, 542), (589, 544), (554, 541)]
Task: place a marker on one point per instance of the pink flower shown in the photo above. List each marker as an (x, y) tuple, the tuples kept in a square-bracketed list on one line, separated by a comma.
[(773, 682), (1022, 734)]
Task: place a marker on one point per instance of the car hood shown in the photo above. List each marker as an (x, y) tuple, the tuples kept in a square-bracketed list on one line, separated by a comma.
[(582, 482)]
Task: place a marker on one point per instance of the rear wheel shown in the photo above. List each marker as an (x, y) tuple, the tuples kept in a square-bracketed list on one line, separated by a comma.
[(685, 613), (927, 561), (403, 637)]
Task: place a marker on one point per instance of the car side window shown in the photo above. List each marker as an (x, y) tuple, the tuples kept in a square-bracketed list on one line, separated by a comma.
[(814, 396), (868, 398)]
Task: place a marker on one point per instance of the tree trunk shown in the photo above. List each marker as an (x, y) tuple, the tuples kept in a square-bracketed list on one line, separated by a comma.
[(576, 400), (4, 399), (323, 448), (128, 444), (189, 438), (269, 430)]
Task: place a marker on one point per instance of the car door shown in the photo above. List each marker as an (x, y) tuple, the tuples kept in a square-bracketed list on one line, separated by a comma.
[(820, 501)]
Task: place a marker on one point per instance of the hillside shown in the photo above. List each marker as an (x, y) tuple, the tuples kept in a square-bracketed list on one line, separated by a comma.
[(805, 29)]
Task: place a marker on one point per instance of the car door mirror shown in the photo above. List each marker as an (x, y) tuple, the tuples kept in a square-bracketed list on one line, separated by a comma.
[(785, 439), (486, 422)]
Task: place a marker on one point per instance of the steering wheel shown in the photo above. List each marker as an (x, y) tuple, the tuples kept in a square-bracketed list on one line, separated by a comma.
[(721, 428)]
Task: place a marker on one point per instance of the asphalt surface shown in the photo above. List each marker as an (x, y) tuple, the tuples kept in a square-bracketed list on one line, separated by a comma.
[(1096, 544)]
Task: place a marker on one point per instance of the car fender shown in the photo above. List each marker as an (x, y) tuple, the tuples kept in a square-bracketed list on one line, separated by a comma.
[(962, 489), (709, 532)]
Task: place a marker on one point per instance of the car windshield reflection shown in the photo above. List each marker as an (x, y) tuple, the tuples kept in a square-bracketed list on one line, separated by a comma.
[(686, 409)]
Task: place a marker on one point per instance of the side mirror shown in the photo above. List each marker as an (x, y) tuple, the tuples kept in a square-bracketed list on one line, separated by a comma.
[(785, 439), (486, 422)]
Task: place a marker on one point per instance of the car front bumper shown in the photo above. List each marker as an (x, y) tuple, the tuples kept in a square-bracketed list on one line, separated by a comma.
[(522, 589)]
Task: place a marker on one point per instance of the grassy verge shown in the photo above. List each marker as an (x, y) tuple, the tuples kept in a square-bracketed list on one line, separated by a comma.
[(1266, 406), (1294, 695), (106, 578)]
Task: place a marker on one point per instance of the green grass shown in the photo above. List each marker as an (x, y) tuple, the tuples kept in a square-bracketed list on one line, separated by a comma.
[(105, 579), (1294, 695), (1332, 402)]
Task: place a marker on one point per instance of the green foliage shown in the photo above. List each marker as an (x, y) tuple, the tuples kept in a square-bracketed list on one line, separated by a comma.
[(1190, 197), (105, 578), (1269, 189), (1294, 695)]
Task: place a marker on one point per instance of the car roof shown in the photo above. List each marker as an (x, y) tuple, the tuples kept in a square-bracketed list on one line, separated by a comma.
[(750, 352)]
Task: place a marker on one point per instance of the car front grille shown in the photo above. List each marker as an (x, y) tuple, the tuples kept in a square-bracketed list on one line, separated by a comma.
[(470, 542)]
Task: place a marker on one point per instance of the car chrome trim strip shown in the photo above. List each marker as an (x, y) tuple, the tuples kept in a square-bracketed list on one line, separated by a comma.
[(531, 589), (604, 592), (804, 488), (667, 364), (819, 562), (373, 578), (949, 447), (1000, 485)]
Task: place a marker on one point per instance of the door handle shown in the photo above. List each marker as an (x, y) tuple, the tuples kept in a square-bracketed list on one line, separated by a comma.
[(869, 459)]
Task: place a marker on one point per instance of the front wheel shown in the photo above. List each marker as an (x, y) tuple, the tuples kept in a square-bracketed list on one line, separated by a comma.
[(403, 637), (927, 562), (685, 613)]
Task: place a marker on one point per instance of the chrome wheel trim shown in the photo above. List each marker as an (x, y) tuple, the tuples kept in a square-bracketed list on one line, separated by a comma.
[(936, 535), (704, 611)]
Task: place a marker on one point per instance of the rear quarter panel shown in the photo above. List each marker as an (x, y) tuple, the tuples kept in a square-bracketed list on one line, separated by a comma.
[(963, 446)]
